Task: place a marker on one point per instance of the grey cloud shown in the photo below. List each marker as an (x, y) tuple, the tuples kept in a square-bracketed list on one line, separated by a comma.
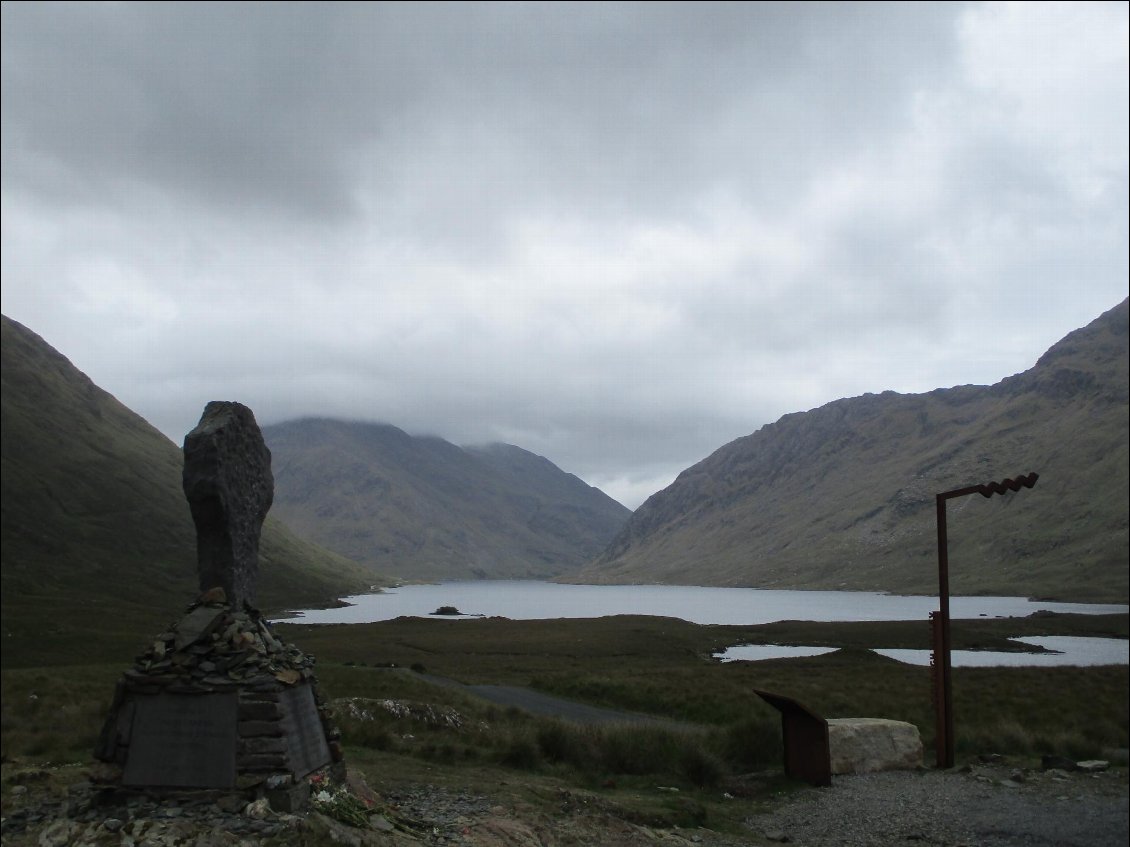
[(622, 107), (616, 234)]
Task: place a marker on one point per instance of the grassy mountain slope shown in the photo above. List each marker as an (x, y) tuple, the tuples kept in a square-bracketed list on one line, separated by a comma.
[(843, 496), (422, 508), (98, 544)]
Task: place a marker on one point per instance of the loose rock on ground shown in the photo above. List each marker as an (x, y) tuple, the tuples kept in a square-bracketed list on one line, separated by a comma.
[(984, 806)]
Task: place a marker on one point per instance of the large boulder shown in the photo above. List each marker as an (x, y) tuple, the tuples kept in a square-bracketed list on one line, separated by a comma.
[(867, 745)]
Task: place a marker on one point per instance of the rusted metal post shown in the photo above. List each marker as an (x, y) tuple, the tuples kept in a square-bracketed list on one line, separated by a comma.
[(944, 703), (937, 686)]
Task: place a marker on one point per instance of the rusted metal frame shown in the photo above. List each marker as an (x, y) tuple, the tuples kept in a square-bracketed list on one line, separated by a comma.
[(943, 705)]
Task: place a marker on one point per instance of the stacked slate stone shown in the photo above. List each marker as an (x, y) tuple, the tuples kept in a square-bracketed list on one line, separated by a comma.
[(272, 696), (218, 702), (214, 646)]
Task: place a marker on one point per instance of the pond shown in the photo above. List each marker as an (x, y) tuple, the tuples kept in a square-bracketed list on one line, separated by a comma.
[(1065, 650)]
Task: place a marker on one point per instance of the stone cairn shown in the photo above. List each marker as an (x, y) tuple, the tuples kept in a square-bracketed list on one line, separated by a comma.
[(218, 701)]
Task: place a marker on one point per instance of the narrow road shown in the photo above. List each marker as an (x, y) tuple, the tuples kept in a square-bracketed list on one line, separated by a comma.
[(537, 703)]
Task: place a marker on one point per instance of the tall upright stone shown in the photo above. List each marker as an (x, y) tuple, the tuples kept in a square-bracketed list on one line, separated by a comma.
[(228, 483), (218, 701)]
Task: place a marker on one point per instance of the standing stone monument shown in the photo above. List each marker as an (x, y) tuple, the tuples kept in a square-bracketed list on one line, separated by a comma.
[(228, 482), (218, 701)]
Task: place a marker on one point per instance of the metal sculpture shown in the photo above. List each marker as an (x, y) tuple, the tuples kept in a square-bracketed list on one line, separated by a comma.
[(943, 704)]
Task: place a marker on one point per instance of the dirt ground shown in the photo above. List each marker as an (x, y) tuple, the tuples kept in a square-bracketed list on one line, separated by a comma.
[(987, 805)]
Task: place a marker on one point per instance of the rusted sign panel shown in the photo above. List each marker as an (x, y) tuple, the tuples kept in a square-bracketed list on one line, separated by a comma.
[(805, 735)]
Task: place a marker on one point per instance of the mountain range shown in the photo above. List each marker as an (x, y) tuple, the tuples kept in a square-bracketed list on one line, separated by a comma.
[(98, 546), (422, 508), (97, 539), (843, 496)]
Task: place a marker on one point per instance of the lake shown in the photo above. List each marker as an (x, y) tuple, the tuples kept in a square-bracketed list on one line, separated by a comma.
[(526, 600)]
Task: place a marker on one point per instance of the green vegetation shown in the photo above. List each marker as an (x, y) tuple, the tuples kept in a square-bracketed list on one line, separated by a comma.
[(52, 716), (661, 667), (718, 737), (454, 728)]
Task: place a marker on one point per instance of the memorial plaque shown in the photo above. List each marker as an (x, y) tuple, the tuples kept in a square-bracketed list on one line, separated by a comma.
[(305, 737), (183, 742)]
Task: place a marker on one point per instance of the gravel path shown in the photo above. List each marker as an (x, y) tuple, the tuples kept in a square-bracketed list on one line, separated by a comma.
[(985, 806)]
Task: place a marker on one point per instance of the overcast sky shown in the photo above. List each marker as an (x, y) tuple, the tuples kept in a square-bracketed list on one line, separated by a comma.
[(619, 236)]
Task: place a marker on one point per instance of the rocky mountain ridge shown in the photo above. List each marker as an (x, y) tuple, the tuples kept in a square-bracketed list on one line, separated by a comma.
[(843, 496)]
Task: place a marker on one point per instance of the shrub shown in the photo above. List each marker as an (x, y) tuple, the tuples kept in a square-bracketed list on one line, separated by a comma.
[(371, 735), (560, 742), (700, 767), (753, 743), (521, 752), (638, 750), (444, 753)]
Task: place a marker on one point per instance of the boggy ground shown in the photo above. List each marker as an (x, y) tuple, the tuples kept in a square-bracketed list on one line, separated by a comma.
[(447, 768)]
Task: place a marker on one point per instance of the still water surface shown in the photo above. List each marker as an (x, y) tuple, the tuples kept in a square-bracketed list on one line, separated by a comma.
[(525, 600), (1068, 650)]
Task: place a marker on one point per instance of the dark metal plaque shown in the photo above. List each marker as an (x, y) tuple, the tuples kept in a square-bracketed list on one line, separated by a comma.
[(305, 737), (183, 742)]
